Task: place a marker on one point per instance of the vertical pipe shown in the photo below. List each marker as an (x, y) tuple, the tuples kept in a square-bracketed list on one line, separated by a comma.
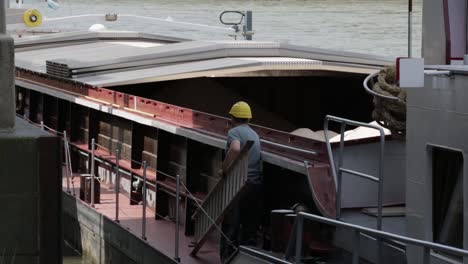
[(380, 193), (381, 179), (42, 122), (248, 25), (69, 163), (3, 10), (176, 238), (356, 241), (340, 164), (427, 255), (117, 184), (300, 227), (290, 246), (143, 225), (66, 160), (410, 27), (93, 147), (7, 88)]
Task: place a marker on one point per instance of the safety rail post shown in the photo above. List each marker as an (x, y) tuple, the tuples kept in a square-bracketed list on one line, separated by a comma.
[(93, 147), (356, 241), (143, 225), (299, 236), (334, 169), (176, 238), (65, 148), (427, 255), (410, 28), (248, 25), (381, 178), (340, 174), (289, 249), (117, 184)]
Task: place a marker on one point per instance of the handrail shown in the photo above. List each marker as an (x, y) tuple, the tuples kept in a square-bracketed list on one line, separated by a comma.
[(177, 178), (368, 90), (289, 147), (376, 233), (335, 168)]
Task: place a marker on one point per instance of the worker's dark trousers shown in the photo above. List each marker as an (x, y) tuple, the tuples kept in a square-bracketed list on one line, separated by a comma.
[(240, 224)]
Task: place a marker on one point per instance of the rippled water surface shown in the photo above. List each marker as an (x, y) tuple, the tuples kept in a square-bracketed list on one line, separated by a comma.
[(368, 26)]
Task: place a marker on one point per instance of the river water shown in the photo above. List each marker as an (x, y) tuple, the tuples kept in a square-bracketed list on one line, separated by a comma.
[(366, 26)]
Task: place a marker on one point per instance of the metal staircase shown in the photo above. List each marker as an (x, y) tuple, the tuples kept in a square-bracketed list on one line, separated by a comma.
[(219, 200)]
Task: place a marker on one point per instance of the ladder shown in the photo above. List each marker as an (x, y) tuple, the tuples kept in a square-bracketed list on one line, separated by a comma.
[(219, 200)]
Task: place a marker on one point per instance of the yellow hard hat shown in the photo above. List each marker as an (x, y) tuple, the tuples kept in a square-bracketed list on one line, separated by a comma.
[(241, 110)]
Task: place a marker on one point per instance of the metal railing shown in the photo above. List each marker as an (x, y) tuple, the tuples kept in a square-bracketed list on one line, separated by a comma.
[(220, 197), (233, 169), (378, 234), (305, 151), (340, 169), (370, 91)]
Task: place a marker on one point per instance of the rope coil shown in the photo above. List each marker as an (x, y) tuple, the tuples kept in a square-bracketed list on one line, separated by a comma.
[(390, 114)]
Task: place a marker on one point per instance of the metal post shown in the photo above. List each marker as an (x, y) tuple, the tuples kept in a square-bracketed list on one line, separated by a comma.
[(340, 164), (248, 25), (290, 246), (92, 171), (427, 255), (356, 241), (65, 149), (381, 179), (69, 162), (3, 11), (117, 184), (410, 26), (176, 248), (42, 125), (143, 226), (300, 228), (7, 89)]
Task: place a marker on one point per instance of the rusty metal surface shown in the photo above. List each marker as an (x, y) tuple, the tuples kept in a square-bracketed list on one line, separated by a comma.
[(181, 116), (323, 188), (322, 183)]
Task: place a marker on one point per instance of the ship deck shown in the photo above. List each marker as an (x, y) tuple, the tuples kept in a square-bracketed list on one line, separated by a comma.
[(160, 234)]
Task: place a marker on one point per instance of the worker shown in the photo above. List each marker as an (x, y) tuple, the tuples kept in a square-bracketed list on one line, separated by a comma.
[(241, 223)]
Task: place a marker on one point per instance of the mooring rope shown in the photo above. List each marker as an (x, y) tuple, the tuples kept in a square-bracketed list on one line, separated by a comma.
[(390, 114)]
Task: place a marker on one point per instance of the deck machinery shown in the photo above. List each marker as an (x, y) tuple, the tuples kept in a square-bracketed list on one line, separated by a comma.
[(164, 101)]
